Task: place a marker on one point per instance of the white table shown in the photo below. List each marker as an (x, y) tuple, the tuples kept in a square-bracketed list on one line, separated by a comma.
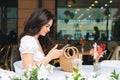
[(107, 67), (59, 74)]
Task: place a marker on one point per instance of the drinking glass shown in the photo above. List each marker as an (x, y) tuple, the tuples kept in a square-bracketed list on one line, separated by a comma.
[(77, 66), (96, 66)]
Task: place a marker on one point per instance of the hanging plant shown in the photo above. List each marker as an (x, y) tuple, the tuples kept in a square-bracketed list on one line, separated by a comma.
[(66, 20), (71, 15), (67, 12), (97, 20)]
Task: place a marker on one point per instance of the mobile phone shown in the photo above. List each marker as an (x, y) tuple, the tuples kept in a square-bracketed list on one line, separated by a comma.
[(65, 46)]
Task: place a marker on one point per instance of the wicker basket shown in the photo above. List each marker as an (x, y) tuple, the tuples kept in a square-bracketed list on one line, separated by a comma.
[(66, 59)]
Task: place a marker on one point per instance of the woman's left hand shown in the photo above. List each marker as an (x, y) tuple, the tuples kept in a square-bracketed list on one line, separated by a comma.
[(55, 53)]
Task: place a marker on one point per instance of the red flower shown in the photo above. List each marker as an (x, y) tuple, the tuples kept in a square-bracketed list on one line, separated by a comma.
[(99, 51), (103, 46)]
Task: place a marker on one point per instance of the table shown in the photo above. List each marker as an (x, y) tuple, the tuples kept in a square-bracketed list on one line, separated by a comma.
[(59, 74), (107, 67)]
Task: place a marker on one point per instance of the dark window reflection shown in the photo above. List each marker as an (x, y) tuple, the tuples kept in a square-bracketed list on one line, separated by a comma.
[(78, 22), (8, 20), (116, 29)]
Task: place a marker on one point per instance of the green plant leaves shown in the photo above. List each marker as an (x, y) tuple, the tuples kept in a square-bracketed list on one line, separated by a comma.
[(115, 75)]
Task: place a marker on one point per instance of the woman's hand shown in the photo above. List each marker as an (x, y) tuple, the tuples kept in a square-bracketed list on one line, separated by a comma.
[(52, 54), (55, 53)]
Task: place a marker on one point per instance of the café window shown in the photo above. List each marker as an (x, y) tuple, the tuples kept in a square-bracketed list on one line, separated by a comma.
[(8, 19), (76, 22)]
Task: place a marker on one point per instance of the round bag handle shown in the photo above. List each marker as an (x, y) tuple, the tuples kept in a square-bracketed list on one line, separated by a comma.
[(67, 52)]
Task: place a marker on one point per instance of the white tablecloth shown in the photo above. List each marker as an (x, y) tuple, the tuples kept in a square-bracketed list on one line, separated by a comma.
[(107, 67)]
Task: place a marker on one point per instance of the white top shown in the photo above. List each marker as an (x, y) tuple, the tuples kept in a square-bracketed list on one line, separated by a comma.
[(28, 44)]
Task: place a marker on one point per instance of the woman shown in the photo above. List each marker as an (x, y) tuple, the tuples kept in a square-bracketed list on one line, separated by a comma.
[(40, 25)]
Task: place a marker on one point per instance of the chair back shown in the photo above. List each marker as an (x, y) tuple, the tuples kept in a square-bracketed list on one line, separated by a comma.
[(116, 54), (4, 56), (15, 56), (111, 47)]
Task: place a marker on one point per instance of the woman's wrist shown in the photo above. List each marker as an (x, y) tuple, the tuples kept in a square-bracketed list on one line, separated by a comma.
[(48, 58)]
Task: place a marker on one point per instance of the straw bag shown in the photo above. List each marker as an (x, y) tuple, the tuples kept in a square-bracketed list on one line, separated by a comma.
[(66, 59)]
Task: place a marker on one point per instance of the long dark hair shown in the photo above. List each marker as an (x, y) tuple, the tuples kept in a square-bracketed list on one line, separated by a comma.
[(37, 19)]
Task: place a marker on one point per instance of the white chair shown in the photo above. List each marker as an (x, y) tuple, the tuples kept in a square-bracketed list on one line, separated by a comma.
[(18, 67)]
